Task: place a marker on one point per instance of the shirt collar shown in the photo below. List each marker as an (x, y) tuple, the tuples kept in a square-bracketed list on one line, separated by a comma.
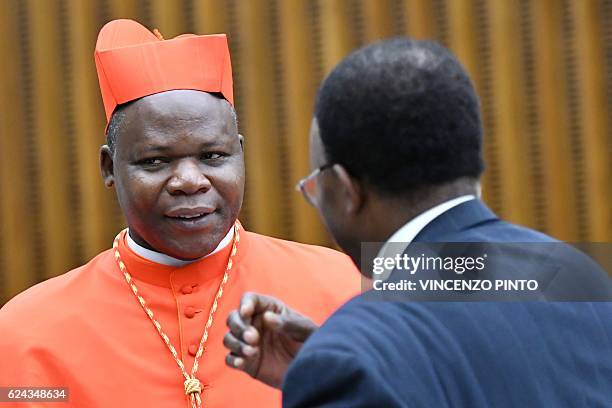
[(406, 234), (198, 272), (411, 229), (164, 259)]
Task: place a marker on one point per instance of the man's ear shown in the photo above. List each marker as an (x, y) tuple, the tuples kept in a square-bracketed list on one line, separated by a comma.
[(106, 166), (241, 138), (352, 192)]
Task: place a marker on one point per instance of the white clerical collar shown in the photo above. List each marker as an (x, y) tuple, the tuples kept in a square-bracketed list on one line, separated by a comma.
[(164, 259)]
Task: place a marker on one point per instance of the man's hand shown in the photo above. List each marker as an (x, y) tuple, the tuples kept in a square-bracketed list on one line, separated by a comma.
[(264, 337)]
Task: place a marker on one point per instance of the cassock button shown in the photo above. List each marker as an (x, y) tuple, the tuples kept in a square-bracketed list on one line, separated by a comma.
[(193, 350), (186, 289), (190, 311)]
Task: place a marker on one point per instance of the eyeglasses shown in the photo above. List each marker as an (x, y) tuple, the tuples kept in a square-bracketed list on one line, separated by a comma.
[(308, 184)]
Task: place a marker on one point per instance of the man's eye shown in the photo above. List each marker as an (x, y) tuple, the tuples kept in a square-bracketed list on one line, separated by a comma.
[(211, 156), (153, 162)]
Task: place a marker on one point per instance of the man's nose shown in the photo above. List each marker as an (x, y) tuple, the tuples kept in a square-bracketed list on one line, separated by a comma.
[(188, 178)]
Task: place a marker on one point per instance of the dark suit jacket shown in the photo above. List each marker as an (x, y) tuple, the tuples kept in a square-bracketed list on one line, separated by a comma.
[(464, 354)]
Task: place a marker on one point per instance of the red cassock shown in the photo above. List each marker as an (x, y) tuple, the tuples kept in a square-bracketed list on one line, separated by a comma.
[(85, 330)]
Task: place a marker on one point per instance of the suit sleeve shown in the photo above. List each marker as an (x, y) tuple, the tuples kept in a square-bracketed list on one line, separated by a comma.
[(334, 378)]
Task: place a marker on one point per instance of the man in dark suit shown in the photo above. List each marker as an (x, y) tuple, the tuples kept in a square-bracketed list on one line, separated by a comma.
[(396, 148)]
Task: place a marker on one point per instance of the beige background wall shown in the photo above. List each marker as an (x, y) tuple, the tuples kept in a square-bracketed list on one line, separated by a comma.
[(543, 69)]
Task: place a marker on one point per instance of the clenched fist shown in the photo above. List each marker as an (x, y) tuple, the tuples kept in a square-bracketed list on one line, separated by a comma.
[(264, 337)]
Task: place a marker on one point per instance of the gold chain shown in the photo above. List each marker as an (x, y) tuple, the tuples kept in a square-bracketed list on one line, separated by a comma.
[(192, 385)]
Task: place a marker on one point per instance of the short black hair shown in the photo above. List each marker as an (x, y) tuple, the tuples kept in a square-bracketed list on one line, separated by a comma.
[(401, 115), (116, 122)]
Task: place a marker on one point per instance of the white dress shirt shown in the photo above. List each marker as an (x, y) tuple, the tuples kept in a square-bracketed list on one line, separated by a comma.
[(411, 229)]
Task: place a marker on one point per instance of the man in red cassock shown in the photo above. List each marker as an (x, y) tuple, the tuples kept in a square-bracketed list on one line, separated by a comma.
[(142, 323)]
